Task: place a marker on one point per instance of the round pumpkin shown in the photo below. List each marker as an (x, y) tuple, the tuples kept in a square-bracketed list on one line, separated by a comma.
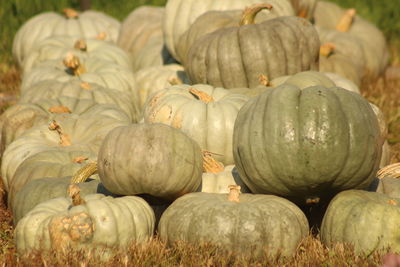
[(204, 113), (52, 89), (94, 221), (88, 24), (82, 133), (305, 144), (367, 220), (237, 56), (57, 47), (243, 223), (153, 159), (180, 14)]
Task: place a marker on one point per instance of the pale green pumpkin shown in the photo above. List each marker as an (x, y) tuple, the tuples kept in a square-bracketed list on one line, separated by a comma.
[(153, 159), (87, 223), (204, 113), (240, 223), (305, 143)]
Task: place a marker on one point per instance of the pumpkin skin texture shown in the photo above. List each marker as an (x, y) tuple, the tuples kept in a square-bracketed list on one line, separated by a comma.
[(51, 89), (353, 213), (88, 24), (104, 222), (237, 56), (57, 47), (219, 182), (308, 142), (180, 14), (342, 65), (82, 133), (210, 124), (255, 223), (152, 79), (43, 189), (49, 164), (153, 159)]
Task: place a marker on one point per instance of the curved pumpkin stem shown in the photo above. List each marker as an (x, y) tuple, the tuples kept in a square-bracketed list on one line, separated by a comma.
[(81, 45), (210, 164), (74, 193), (65, 140), (73, 63), (84, 173), (201, 95), (250, 13), (234, 192), (59, 109), (327, 49), (346, 21), (71, 13), (392, 170)]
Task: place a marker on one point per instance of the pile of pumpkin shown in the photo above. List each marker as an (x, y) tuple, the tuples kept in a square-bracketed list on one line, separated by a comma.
[(262, 116)]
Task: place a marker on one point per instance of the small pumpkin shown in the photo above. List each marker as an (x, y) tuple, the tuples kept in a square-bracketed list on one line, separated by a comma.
[(353, 213), (244, 223), (304, 144), (153, 159), (88, 24), (88, 223), (58, 46), (204, 113), (237, 56)]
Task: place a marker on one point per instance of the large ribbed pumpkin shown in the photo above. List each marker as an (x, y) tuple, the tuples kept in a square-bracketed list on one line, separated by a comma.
[(180, 14), (153, 159), (88, 24), (367, 220), (237, 56), (240, 223), (205, 113), (95, 221), (306, 143), (59, 46)]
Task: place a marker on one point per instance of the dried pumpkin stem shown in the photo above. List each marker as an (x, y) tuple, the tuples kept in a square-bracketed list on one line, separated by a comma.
[(392, 170), (65, 140), (327, 49), (346, 21), (201, 95), (263, 80), (210, 164), (74, 192), (70, 13), (101, 36), (84, 173), (234, 192), (81, 45), (79, 159), (312, 200), (73, 63), (250, 13), (175, 81), (392, 202), (303, 13), (59, 109)]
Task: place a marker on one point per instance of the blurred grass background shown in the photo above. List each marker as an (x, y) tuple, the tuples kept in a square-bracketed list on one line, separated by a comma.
[(13, 13)]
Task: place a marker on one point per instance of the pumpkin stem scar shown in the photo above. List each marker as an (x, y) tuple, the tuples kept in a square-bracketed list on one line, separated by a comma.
[(210, 164), (327, 49), (250, 13), (59, 109), (392, 202), (86, 86), (392, 170), (65, 140), (346, 21), (234, 192), (175, 81), (74, 192), (71, 13), (263, 80), (312, 200), (202, 96), (84, 173), (101, 36), (302, 13), (81, 45), (74, 65)]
